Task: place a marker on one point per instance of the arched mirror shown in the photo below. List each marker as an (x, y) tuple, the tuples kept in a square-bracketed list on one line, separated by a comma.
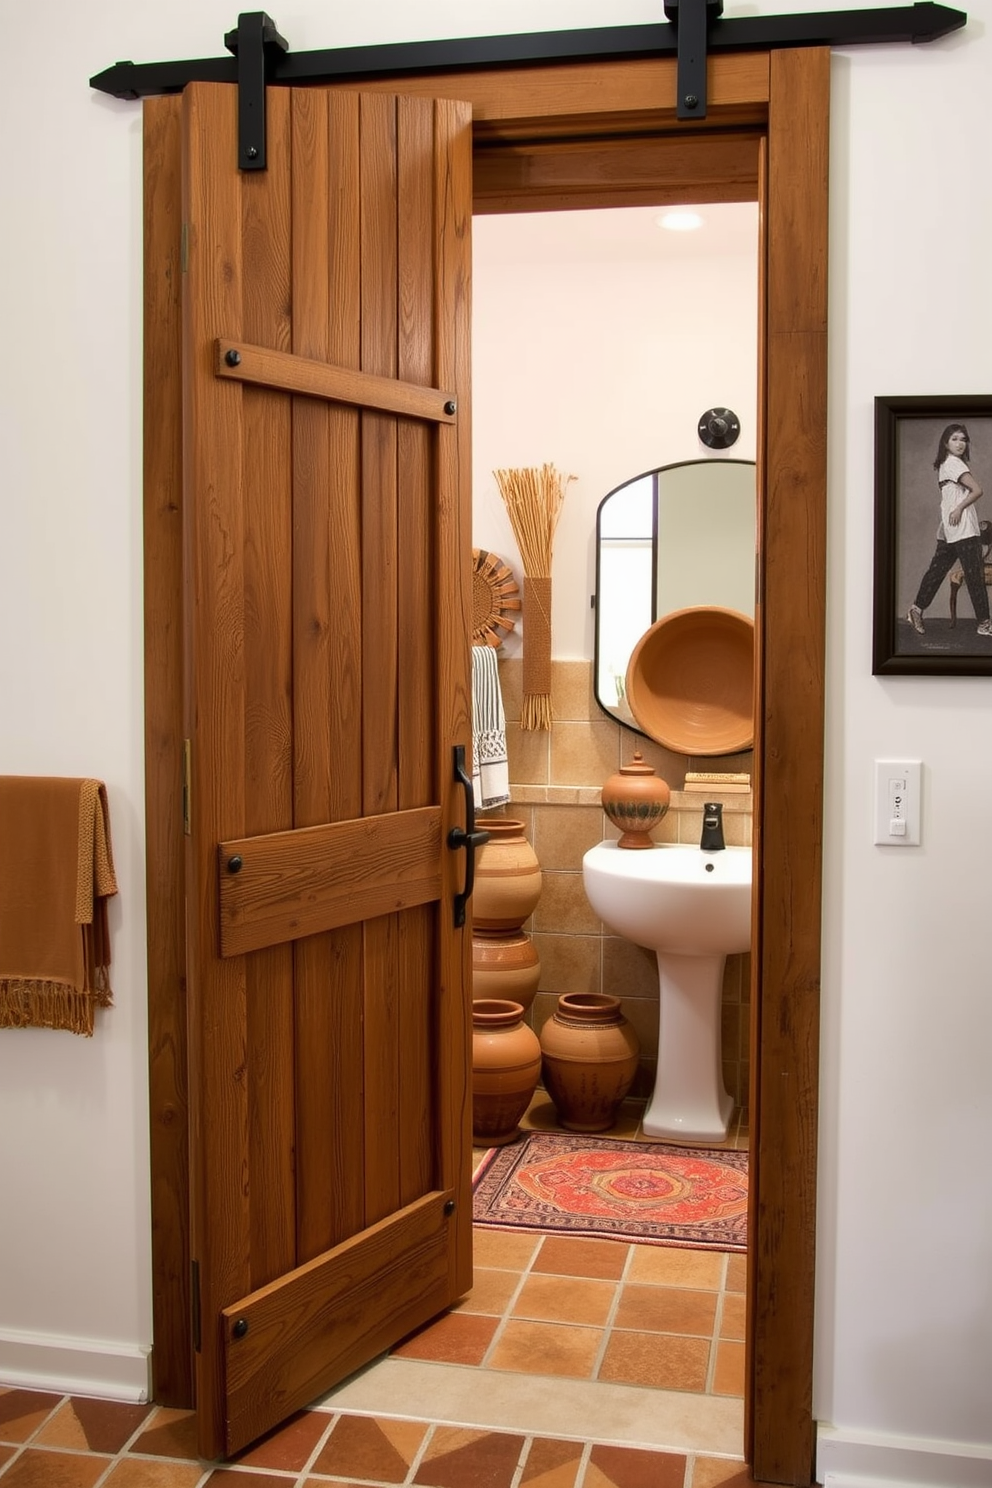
[(678, 536)]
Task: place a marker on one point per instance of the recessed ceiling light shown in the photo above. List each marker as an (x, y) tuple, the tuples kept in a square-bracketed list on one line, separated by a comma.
[(680, 221)]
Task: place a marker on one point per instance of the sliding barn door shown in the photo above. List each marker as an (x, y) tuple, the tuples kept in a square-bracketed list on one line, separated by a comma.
[(326, 560)]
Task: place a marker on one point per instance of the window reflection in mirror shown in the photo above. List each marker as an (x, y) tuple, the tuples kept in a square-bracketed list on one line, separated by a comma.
[(674, 537)]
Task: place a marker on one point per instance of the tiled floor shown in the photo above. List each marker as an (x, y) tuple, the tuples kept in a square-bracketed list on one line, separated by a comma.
[(573, 1363)]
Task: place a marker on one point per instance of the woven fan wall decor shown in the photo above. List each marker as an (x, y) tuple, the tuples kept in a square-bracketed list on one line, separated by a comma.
[(533, 500), (495, 596)]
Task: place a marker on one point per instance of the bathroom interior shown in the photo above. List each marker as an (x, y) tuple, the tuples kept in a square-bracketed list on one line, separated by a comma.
[(666, 331)]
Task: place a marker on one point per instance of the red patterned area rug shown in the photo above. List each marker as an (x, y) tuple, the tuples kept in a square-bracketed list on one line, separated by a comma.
[(692, 1197)]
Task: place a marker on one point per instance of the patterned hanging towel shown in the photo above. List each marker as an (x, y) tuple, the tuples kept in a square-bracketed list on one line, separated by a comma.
[(490, 770), (56, 874)]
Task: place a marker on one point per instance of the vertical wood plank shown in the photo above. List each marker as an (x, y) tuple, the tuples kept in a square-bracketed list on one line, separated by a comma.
[(380, 620), (453, 198), (172, 1355), (417, 607), (790, 825), (327, 652), (268, 646), (214, 540)]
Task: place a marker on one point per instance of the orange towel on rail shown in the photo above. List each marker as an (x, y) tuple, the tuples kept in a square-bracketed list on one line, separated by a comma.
[(56, 874)]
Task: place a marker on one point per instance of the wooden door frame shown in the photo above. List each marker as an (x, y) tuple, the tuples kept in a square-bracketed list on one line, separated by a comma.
[(546, 137)]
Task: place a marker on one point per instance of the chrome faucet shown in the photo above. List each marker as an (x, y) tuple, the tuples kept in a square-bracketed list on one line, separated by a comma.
[(712, 838)]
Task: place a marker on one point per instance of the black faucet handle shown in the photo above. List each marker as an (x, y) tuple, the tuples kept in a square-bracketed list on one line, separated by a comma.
[(712, 838)]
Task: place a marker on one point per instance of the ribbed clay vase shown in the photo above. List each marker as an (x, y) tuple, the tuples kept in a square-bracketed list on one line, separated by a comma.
[(505, 965), (507, 876), (635, 800), (506, 1064), (589, 1059)]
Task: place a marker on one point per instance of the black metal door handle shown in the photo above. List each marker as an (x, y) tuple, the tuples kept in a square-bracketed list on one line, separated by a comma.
[(467, 836)]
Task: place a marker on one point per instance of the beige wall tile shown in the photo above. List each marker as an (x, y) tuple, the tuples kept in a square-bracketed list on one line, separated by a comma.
[(563, 907), (669, 766), (528, 753), (642, 1015), (629, 970), (572, 697), (569, 963), (563, 834), (584, 753)]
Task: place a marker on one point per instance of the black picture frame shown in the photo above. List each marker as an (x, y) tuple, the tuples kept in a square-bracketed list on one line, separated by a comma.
[(910, 542)]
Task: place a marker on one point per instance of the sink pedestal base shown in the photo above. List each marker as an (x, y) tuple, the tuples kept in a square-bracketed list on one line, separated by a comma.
[(690, 1102)]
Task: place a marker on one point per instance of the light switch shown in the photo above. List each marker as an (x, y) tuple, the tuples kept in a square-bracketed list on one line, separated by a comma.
[(897, 803)]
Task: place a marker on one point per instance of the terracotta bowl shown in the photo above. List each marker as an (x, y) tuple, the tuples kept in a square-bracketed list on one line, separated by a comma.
[(690, 681)]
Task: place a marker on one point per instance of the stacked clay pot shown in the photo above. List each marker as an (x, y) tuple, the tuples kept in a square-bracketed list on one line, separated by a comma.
[(508, 885), (506, 1064), (589, 1060)]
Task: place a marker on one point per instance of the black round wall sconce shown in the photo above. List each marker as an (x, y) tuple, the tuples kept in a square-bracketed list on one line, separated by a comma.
[(719, 428)]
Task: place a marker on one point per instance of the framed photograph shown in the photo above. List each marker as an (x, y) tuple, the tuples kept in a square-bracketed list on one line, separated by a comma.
[(933, 536)]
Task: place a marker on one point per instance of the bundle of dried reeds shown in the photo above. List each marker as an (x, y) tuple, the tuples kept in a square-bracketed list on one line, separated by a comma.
[(533, 499)]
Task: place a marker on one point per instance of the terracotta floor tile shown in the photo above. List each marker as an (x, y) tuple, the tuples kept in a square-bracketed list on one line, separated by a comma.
[(546, 1348), (457, 1458), (455, 1338), (491, 1291), (666, 1265), (92, 1425), (22, 1412), (364, 1447), (733, 1318), (736, 1273), (138, 1472), (565, 1299), (229, 1477), (37, 1469), (717, 1472), (655, 1309), (657, 1360), (551, 1463), (6, 1453), (633, 1467), (290, 1446), (728, 1376), (169, 1433), (565, 1255), (510, 1250)]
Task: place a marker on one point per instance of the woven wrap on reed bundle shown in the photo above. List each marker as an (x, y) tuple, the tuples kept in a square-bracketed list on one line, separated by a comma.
[(533, 499)]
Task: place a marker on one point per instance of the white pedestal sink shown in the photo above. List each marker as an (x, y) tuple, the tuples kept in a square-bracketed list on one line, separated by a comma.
[(693, 909)]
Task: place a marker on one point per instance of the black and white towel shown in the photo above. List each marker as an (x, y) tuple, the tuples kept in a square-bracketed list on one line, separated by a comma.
[(490, 770)]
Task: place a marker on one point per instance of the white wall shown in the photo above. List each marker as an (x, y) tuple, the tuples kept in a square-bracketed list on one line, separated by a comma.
[(904, 1338)]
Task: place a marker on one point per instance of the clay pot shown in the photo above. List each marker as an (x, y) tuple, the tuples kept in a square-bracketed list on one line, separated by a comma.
[(505, 965), (589, 1060), (507, 876), (635, 800), (506, 1063)]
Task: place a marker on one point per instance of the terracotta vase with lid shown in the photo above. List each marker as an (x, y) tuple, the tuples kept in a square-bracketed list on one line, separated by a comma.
[(589, 1060), (635, 800), (506, 1065), (507, 876)]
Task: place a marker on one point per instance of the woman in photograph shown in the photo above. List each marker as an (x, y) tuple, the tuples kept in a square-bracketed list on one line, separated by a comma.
[(959, 536)]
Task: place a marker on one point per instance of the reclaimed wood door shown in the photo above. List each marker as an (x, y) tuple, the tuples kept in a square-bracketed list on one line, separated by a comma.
[(326, 558)]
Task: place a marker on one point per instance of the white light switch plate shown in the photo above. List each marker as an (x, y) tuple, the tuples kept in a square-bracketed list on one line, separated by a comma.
[(897, 803)]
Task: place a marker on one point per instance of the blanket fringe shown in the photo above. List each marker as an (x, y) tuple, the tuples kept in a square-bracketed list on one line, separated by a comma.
[(29, 1003)]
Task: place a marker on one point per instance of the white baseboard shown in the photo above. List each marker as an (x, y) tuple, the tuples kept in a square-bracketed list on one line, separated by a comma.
[(74, 1366), (851, 1459)]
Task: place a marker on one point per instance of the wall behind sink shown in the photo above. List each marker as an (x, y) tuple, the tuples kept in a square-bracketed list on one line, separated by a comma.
[(555, 783)]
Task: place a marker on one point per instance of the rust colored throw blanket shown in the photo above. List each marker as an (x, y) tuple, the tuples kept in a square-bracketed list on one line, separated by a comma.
[(56, 874)]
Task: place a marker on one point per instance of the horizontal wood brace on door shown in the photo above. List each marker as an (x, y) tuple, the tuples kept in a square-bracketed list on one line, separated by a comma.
[(284, 1343), (285, 885), (281, 370)]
